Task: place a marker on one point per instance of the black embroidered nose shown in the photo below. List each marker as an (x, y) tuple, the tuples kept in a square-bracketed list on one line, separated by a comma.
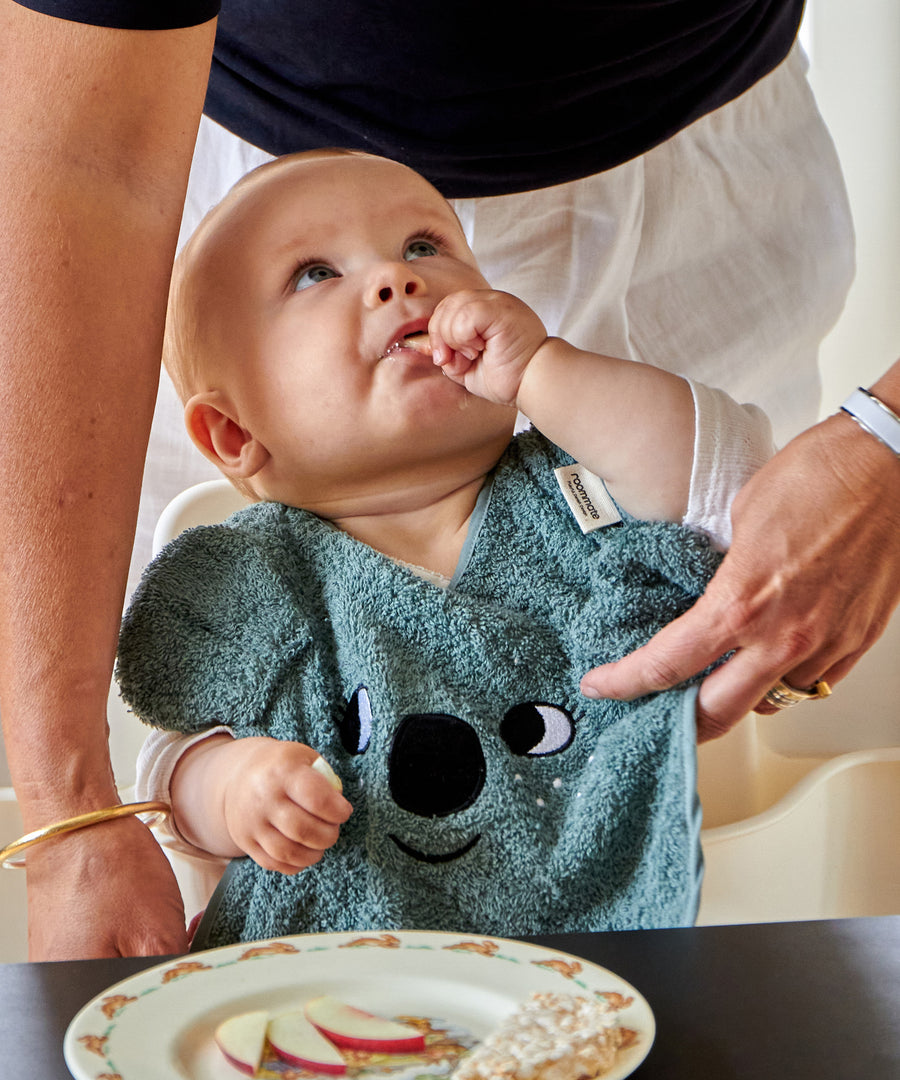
[(436, 765)]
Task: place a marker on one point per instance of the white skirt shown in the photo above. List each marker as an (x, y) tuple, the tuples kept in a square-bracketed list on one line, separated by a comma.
[(724, 254)]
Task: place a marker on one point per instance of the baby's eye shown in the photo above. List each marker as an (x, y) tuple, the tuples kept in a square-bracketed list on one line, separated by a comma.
[(312, 275), (418, 249)]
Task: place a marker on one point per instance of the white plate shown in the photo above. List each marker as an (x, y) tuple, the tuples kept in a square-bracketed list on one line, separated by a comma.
[(159, 1024)]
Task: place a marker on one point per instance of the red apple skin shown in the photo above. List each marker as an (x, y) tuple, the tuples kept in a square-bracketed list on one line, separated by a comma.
[(241, 1066), (228, 1045), (314, 1066), (293, 1039), (411, 1044)]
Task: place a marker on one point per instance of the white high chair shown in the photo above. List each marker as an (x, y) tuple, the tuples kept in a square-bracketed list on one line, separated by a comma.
[(203, 504), (802, 809)]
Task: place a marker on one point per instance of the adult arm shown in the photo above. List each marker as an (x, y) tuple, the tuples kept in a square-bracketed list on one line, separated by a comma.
[(96, 135), (809, 584)]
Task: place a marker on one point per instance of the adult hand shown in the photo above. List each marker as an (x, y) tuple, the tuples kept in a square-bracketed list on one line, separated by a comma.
[(104, 891), (808, 586)]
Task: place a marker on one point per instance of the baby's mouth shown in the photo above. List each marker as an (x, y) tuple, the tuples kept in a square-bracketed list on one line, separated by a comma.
[(419, 342)]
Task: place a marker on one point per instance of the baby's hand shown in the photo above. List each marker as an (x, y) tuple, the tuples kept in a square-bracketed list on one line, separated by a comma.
[(281, 806), (484, 340)]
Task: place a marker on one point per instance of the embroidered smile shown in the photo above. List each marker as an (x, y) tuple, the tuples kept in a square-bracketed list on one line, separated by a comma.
[(439, 857)]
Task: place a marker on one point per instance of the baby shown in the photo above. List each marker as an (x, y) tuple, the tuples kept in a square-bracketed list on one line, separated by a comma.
[(415, 592)]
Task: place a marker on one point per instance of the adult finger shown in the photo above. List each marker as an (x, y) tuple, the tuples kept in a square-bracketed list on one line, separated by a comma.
[(677, 652), (738, 687)]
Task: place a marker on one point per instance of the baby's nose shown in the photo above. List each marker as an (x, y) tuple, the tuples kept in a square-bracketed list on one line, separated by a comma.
[(392, 281)]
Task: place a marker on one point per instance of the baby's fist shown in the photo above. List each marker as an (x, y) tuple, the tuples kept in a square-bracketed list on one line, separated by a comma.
[(484, 340)]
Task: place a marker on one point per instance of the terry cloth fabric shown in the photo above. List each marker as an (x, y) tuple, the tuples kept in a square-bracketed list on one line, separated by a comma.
[(489, 796)]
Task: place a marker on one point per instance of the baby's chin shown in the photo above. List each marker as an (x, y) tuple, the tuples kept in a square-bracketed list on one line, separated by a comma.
[(453, 438)]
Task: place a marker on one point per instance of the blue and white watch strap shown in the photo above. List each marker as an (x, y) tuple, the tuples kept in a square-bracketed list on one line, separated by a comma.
[(874, 417)]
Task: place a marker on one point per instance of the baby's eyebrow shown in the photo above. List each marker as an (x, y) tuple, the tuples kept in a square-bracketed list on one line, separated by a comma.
[(291, 246)]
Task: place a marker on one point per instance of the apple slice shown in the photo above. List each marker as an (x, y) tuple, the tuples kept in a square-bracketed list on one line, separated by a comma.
[(294, 1039), (320, 765), (242, 1038), (357, 1030), (420, 342)]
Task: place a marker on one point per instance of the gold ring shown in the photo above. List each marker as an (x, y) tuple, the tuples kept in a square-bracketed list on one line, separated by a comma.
[(783, 695)]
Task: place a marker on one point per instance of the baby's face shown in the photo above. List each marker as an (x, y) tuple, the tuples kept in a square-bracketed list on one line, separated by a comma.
[(318, 273)]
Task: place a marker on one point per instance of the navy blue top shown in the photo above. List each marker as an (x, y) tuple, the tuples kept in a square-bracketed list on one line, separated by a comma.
[(483, 97)]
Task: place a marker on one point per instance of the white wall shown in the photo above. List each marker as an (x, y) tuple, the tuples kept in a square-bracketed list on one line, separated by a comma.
[(855, 72)]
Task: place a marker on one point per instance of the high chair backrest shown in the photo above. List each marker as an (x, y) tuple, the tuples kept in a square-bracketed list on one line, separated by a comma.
[(203, 504)]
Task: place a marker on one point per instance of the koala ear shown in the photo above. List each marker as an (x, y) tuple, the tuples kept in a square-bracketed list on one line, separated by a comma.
[(214, 426)]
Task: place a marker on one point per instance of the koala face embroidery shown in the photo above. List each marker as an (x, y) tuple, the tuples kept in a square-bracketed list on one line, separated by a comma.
[(436, 764)]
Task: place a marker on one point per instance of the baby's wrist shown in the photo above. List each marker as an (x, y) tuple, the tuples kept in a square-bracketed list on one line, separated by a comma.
[(536, 371)]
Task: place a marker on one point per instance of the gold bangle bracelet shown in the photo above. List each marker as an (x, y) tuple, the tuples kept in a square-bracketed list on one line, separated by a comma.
[(11, 857)]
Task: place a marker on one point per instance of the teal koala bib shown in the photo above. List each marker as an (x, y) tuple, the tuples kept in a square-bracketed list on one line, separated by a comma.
[(489, 796)]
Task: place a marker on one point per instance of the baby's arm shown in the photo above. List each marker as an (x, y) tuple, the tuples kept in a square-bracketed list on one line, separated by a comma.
[(276, 801), (631, 423)]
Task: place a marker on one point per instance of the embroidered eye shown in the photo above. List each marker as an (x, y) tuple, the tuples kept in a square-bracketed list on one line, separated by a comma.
[(312, 275), (536, 729), (419, 249), (355, 727)]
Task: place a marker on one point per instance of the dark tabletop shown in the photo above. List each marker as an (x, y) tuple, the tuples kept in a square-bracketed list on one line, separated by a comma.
[(793, 1001)]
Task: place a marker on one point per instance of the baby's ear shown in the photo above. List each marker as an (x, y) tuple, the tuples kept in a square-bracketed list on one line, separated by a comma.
[(213, 424)]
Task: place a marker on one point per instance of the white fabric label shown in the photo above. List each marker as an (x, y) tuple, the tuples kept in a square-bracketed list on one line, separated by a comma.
[(587, 497)]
